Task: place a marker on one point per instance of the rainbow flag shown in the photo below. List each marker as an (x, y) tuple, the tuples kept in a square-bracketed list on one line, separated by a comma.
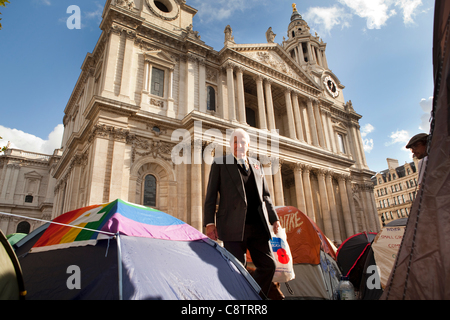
[(85, 226)]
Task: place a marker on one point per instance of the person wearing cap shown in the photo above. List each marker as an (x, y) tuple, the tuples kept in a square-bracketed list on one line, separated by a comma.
[(418, 146)]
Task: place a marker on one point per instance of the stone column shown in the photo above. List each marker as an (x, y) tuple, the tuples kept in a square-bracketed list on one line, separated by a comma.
[(125, 84), (290, 114), (98, 170), (117, 167), (312, 122), (269, 102), (331, 133), (278, 185), (319, 124), (299, 193), (326, 215), (261, 103), (308, 192), (9, 169), (241, 95), (170, 101), (298, 117), (202, 86), (196, 186), (333, 209), (300, 54), (191, 65), (267, 166), (352, 205), (110, 63), (345, 206), (230, 86), (325, 114)]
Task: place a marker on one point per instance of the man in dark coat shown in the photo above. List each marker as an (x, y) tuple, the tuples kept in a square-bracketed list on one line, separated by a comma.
[(245, 208)]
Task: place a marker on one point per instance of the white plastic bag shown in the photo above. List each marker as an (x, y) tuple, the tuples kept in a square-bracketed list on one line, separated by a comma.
[(282, 255)]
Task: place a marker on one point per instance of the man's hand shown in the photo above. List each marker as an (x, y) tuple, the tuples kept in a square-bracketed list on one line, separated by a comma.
[(276, 226), (211, 232)]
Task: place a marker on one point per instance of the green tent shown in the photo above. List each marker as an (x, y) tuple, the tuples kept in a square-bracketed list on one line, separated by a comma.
[(15, 237), (11, 279)]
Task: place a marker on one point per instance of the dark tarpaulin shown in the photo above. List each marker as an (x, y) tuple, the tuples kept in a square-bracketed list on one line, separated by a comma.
[(46, 273), (152, 269), (180, 270), (422, 268)]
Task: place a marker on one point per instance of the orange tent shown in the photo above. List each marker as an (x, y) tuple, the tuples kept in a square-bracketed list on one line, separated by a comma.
[(304, 236), (314, 256)]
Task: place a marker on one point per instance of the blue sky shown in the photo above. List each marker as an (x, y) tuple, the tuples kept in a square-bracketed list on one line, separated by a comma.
[(381, 51)]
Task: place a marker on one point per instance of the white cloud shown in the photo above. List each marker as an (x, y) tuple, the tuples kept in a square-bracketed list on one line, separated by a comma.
[(96, 14), (367, 143), (366, 129), (399, 137), (377, 12), (427, 106), (28, 142), (409, 8), (327, 18)]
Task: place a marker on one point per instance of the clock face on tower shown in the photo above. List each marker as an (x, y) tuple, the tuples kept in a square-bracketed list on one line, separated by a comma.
[(331, 86)]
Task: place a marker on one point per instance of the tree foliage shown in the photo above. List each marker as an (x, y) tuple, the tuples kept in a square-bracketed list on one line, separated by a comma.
[(4, 148), (3, 4)]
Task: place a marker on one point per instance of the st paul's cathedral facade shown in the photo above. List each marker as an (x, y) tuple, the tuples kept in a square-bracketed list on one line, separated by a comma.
[(154, 102)]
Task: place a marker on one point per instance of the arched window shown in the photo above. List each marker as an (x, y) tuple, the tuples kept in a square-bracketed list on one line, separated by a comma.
[(150, 191), (211, 99), (23, 227)]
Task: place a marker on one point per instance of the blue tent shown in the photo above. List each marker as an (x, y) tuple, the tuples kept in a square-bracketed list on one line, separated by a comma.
[(125, 251)]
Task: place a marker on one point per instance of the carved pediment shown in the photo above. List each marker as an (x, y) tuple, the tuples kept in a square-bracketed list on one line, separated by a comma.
[(33, 175), (278, 60), (159, 56)]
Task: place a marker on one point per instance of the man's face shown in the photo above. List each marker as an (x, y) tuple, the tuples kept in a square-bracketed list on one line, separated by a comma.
[(419, 149), (240, 146)]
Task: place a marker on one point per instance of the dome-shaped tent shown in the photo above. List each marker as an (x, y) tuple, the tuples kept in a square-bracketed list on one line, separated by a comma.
[(121, 250), (316, 272)]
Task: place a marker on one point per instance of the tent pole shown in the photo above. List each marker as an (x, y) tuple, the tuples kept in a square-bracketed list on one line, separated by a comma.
[(119, 265)]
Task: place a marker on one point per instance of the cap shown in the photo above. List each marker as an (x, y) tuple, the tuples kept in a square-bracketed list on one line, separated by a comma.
[(416, 138)]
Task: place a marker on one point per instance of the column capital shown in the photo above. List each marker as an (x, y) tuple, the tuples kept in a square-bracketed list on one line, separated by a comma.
[(229, 65), (239, 69), (268, 81), (258, 77)]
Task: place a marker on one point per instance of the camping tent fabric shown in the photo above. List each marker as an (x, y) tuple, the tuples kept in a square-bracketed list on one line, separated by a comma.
[(304, 236), (15, 237), (369, 284), (161, 257), (422, 268), (316, 272), (11, 281), (314, 282), (385, 247), (116, 217), (352, 249)]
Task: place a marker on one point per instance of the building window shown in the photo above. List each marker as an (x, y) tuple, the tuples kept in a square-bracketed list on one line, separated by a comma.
[(150, 191), (23, 227), (29, 199), (250, 117), (157, 84), (161, 6), (341, 142), (211, 99)]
